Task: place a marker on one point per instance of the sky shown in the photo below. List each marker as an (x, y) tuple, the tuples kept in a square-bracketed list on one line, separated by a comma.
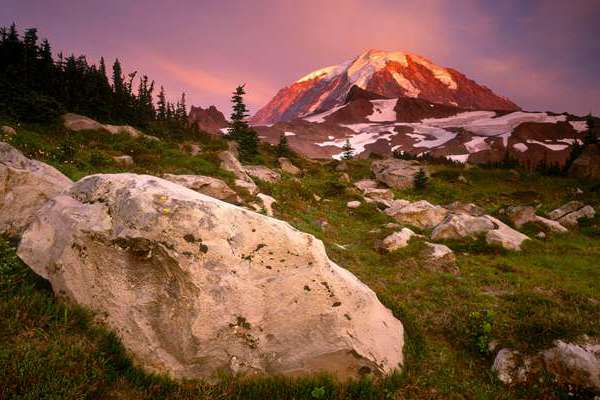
[(544, 55)]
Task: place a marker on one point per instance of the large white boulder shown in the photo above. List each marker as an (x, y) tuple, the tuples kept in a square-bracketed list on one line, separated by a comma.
[(207, 185), (421, 214), (25, 186), (193, 285)]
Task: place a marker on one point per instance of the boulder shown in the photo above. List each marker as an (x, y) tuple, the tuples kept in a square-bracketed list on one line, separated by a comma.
[(207, 185), (587, 165), (565, 209), (572, 219), (231, 164), (192, 149), (365, 184), (552, 226), (287, 166), (438, 257), (124, 161), (126, 129), (8, 130), (195, 286), (465, 208), (76, 122), (397, 240), (421, 214), (263, 173), (395, 173), (504, 236), (25, 186), (457, 226), (353, 204), (344, 177), (511, 367), (267, 202), (381, 195), (575, 363), (520, 215)]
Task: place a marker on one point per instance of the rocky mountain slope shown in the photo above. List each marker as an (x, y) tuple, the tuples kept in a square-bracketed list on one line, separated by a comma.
[(375, 124), (389, 74)]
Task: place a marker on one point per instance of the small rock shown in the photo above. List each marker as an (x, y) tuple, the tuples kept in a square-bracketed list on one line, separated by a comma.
[(395, 173), (124, 161), (341, 167), (397, 240), (541, 235), (504, 236), (520, 215), (249, 186), (344, 177), (316, 197), (263, 173), (287, 166), (392, 225), (353, 204), (465, 208), (268, 202), (457, 226), (573, 218), (508, 367), (565, 209), (420, 213), (439, 257), (366, 184), (552, 226), (8, 130), (462, 179)]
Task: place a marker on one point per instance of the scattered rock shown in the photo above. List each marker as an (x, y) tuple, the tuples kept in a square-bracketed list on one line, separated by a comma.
[(541, 235), (124, 161), (344, 177), (365, 184), (25, 186), (8, 130), (465, 208), (457, 226), (192, 149), (520, 215), (575, 364), (316, 197), (353, 204), (552, 226), (392, 225), (573, 218), (193, 285), (396, 173), (397, 240), (587, 165), (565, 209), (287, 166), (504, 236), (129, 130), (420, 213), (439, 257), (263, 173), (341, 167), (207, 185), (268, 202), (462, 179), (383, 195), (511, 367), (231, 164)]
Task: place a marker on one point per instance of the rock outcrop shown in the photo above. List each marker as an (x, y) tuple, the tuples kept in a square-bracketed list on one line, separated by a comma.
[(570, 213), (230, 163), (207, 185), (575, 363), (263, 173), (397, 240), (210, 119), (76, 122), (193, 285), (25, 186), (286, 166), (439, 257), (395, 173)]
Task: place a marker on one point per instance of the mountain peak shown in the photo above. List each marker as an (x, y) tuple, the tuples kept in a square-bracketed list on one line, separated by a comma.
[(389, 74)]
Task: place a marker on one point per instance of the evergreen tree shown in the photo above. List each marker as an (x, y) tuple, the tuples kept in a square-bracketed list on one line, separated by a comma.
[(181, 110), (420, 181), (239, 129), (590, 136), (348, 153), (161, 105), (282, 148)]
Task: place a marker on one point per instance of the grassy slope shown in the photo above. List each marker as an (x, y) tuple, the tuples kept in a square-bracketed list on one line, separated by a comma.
[(549, 290)]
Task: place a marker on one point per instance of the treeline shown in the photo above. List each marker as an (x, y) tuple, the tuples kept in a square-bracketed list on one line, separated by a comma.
[(35, 86)]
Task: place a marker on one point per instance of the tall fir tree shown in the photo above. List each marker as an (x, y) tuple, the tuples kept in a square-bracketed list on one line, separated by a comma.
[(282, 148), (239, 129), (348, 151), (161, 104)]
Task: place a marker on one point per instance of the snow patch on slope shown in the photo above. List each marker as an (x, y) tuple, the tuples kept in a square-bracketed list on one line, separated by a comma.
[(320, 118), (553, 147), (579, 126), (476, 144)]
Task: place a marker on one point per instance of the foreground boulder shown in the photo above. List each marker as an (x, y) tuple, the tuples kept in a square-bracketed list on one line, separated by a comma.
[(193, 285), (25, 186), (207, 185), (395, 173)]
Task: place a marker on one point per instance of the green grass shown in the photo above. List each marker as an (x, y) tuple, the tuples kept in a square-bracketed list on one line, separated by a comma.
[(550, 290)]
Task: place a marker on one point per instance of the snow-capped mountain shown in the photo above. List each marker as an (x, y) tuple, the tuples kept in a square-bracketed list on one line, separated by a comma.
[(388, 74)]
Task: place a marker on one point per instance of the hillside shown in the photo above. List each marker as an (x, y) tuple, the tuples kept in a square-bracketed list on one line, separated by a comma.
[(536, 295)]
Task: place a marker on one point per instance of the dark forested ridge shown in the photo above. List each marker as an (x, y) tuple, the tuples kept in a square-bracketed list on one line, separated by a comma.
[(36, 86)]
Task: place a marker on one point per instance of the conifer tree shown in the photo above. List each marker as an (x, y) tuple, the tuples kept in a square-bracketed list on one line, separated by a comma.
[(161, 104), (282, 149), (590, 136), (348, 153), (239, 129), (420, 181)]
